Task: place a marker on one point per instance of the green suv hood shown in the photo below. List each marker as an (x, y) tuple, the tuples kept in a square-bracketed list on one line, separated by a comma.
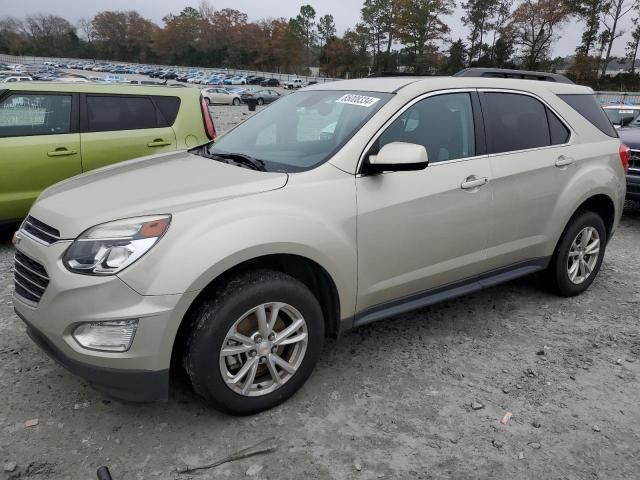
[(164, 183)]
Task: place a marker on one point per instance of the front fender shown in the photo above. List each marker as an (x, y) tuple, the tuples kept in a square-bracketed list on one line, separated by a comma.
[(300, 219)]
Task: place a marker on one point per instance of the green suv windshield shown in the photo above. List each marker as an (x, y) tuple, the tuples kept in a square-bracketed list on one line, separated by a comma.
[(299, 131)]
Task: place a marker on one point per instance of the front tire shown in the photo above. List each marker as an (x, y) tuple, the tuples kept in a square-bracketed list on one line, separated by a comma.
[(579, 254), (255, 342), (208, 100), (260, 101), (236, 102)]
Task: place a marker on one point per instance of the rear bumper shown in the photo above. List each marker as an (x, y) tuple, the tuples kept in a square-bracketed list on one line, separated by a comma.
[(633, 186), (128, 385)]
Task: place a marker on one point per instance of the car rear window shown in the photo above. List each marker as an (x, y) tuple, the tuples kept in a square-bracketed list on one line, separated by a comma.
[(109, 112), (587, 106), (168, 107)]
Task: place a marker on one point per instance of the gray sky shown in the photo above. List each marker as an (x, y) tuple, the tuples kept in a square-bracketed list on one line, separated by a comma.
[(345, 12)]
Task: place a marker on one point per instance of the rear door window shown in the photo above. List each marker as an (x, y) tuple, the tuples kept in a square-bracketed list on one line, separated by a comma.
[(35, 114), (109, 112), (587, 106), (559, 132), (514, 122)]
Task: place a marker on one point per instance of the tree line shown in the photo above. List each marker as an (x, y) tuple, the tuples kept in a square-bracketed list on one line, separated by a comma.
[(392, 35)]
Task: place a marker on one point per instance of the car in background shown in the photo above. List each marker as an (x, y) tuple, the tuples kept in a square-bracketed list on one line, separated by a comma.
[(236, 80), (293, 83), (212, 81), (270, 82), (16, 78), (256, 80), (630, 136), (622, 115), (52, 131), (220, 96), (260, 96)]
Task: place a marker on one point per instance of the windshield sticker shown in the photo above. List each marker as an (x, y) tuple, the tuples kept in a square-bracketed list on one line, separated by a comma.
[(625, 111), (360, 100)]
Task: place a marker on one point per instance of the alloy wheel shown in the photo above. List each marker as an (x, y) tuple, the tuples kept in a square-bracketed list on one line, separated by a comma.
[(583, 255), (263, 349)]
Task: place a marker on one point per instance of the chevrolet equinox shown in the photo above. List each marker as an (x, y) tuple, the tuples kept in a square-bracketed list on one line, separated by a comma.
[(339, 205)]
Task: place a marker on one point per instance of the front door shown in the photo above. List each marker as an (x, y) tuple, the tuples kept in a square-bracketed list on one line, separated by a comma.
[(425, 229)]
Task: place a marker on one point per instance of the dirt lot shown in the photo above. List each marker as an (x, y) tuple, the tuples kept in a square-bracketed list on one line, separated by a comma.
[(417, 396)]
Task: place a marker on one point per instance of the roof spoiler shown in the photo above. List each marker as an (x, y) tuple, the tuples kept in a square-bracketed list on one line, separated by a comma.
[(508, 73)]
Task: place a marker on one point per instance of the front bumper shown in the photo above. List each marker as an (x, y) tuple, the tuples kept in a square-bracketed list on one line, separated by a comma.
[(128, 385), (633, 186), (139, 374)]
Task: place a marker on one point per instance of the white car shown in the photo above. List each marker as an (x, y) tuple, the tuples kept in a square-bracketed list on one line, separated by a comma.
[(16, 78), (220, 96), (622, 115), (294, 83)]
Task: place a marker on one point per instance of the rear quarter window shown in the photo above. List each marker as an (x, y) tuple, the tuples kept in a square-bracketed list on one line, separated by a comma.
[(169, 107), (587, 106)]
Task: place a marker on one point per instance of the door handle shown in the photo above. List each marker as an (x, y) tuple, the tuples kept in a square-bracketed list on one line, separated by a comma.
[(158, 142), (474, 182), (563, 161), (61, 152)]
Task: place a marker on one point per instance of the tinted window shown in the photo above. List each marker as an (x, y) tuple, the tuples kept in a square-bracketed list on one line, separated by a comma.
[(515, 122), (24, 114), (587, 106), (443, 124), (109, 112), (168, 107), (559, 132)]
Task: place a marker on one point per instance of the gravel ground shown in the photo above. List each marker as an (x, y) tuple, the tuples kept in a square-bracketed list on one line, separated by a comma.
[(417, 396)]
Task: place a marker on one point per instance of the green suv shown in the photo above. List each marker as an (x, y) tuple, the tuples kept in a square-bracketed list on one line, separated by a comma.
[(52, 131)]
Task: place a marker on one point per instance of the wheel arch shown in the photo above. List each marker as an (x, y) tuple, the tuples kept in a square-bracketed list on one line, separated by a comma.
[(601, 204), (313, 275)]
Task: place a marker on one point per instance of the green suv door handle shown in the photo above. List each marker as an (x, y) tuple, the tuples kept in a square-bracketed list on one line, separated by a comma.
[(61, 152), (158, 142)]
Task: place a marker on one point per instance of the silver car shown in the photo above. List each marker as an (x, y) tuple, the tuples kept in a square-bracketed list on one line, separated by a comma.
[(341, 204)]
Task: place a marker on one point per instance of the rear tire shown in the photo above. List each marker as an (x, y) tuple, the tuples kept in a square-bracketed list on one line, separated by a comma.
[(236, 102), (260, 101), (206, 99), (579, 254), (229, 322)]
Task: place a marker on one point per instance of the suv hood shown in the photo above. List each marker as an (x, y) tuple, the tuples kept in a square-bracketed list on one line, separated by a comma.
[(163, 183)]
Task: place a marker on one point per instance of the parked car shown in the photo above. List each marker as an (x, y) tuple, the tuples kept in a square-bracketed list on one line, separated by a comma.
[(220, 96), (271, 82), (622, 115), (235, 259), (631, 137), (16, 78), (235, 81), (52, 131), (261, 96), (256, 80), (293, 83)]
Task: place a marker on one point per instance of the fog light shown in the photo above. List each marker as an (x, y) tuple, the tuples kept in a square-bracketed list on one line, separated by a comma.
[(115, 336)]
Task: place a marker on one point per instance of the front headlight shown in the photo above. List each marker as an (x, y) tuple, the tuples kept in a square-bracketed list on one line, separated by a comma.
[(111, 247)]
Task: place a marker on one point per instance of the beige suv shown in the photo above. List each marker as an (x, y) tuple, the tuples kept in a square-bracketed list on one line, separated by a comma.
[(339, 205)]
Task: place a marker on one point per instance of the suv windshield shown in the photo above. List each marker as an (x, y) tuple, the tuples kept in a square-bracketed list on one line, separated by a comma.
[(299, 131)]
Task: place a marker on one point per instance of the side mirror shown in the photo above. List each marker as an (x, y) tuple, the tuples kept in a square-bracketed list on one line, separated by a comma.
[(398, 157)]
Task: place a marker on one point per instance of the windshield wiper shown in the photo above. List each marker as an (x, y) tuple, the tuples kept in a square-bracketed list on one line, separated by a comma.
[(242, 159)]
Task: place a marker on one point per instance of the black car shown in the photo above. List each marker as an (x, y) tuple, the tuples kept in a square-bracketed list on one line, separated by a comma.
[(255, 80), (271, 82), (631, 137)]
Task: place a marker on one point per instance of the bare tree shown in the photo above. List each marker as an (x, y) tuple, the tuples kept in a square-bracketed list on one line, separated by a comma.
[(614, 10)]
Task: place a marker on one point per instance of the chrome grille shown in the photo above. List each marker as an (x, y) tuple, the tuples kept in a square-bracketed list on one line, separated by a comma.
[(40, 231), (30, 278), (634, 161)]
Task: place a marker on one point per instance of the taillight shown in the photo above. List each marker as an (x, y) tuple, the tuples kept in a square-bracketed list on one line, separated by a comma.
[(625, 156), (209, 128)]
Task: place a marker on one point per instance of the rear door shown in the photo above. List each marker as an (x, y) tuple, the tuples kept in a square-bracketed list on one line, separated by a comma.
[(530, 154), (120, 127), (39, 146)]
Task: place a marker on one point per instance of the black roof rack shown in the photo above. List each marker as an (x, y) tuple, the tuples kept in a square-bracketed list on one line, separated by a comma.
[(507, 73), (398, 74)]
